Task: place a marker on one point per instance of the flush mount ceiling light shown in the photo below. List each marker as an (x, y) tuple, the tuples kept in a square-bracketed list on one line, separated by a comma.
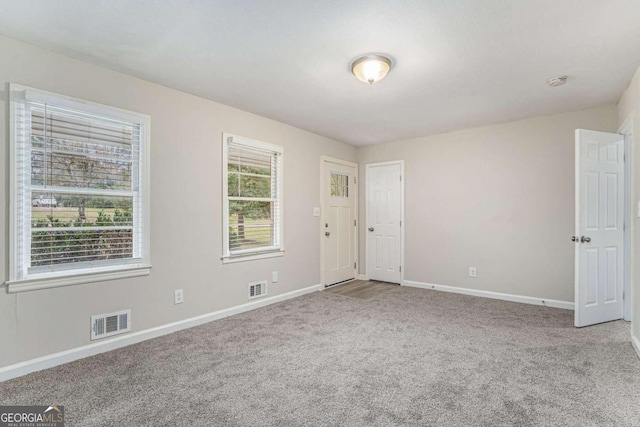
[(557, 81), (371, 68)]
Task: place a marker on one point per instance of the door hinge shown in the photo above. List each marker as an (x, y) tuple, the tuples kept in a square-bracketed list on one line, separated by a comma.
[(354, 265), (400, 269), (354, 223), (355, 180), (400, 178), (400, 223)]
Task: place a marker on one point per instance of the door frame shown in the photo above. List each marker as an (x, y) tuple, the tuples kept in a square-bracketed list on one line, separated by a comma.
[(627, 130), (323, 161), (366, 212)]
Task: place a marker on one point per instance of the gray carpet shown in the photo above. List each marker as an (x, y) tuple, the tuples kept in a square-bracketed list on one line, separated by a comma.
[(407, 357)]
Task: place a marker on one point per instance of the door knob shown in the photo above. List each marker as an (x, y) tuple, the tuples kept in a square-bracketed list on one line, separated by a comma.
[(585, 239), (574, 238), (370, 228), (327, 233)]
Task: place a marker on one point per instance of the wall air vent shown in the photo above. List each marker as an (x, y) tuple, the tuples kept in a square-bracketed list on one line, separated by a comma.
[(106, 325), (257, 289), (557, 81)]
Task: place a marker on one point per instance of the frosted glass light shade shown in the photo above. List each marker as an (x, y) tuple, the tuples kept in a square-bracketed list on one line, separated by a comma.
[(371, 68)]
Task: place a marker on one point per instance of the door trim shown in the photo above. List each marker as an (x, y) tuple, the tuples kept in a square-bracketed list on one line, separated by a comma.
[(627, 130), (323, 161), (366, 211)]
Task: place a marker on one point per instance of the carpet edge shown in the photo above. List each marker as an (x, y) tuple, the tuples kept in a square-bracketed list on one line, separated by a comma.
[(567, 305), (49, 361)]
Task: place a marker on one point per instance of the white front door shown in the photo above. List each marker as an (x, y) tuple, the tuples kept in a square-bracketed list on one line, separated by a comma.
[(339, 190), (384, 221), (599, 237)]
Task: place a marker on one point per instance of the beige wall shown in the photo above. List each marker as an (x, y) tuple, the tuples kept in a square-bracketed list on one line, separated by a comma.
[(185, 204), (499, 198), (629, 106)]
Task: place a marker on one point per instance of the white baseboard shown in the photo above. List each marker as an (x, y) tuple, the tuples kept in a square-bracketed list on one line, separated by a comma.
[(51, 360), (635, 342), (568, 305), (362, 277)]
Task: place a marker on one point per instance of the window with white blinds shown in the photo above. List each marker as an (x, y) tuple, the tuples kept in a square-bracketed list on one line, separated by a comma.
[(80, 185), (252, 191)]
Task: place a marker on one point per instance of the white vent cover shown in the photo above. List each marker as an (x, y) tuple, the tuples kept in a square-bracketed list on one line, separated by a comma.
[(257, 289), (105, 325)]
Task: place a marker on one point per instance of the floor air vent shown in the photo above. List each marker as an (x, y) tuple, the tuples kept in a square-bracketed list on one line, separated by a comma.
[(105, 325), (257, 289)]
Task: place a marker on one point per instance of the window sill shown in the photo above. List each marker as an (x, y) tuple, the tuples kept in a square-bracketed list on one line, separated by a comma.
[(250, 257), (79, 277)]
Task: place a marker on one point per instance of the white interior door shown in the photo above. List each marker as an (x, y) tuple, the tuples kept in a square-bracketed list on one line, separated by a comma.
[(599, 235), (339, 191), (384, 221)]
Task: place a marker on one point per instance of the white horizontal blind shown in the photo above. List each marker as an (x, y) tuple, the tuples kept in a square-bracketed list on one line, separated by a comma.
[(253, 199), (79, 186)]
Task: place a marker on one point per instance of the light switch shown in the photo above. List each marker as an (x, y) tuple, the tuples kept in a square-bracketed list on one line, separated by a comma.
[(316, 211)]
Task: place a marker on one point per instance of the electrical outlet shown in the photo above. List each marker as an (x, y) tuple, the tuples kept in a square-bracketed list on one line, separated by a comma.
[(472, 272), (178, 296), (274, 277)]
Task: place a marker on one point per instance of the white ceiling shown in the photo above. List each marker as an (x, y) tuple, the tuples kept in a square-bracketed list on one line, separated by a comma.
[(458, 63)]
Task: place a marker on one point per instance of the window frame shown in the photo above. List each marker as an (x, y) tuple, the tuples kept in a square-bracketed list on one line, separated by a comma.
[(20, 279), (335, 188), (255, 253)]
